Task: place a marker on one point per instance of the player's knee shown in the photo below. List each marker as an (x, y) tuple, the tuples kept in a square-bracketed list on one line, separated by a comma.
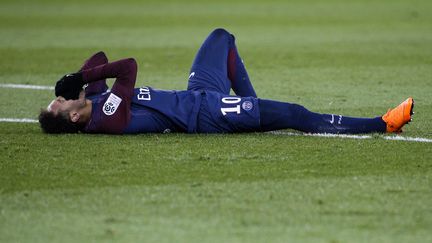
[(221, 33)]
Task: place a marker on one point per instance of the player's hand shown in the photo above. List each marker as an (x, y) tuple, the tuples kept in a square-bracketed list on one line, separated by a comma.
[(70, 86)]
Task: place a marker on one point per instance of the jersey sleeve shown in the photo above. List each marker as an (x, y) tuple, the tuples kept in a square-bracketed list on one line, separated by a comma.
[(113, 115), (95, 88), (100, 86)]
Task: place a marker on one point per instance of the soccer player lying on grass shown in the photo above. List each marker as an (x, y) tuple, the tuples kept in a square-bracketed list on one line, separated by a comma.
[(205, 107)]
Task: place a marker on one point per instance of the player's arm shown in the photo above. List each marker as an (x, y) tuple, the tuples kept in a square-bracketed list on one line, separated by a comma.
[(72, 90), (116, 109), (100, 86), (70, 85), (115, 114), (124, 71)]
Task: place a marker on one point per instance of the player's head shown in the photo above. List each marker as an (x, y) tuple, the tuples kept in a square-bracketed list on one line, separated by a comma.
[(62, 116)]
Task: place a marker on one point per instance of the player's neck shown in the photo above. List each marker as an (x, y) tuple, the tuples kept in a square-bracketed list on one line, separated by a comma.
[(85, 112)]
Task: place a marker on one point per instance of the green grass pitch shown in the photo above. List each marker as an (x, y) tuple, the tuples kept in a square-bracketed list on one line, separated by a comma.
[(357, 58)]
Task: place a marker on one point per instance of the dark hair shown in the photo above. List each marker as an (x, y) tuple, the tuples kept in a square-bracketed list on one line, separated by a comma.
[(60, 123)]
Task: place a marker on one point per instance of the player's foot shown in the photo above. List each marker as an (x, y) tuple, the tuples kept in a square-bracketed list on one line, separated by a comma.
[(396, 118)]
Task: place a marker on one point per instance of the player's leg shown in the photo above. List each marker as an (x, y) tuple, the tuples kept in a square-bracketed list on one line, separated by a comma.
[(237, 73), (276, 115), (217, 66), (209, 69), (95, 60)]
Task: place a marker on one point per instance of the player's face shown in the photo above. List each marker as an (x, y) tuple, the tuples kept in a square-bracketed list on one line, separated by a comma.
[(60, 104)]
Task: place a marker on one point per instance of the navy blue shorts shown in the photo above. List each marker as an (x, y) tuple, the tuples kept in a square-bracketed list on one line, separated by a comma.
[(220, 113)]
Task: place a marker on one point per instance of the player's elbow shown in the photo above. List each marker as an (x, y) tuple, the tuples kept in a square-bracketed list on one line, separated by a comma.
[(128, 67), (131, 64)]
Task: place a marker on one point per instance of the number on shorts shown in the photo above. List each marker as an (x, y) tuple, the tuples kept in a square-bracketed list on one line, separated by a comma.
[(231, 101)]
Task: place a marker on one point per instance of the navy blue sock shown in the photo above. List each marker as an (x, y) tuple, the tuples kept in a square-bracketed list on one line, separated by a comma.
[(277, 115), (237, 73)]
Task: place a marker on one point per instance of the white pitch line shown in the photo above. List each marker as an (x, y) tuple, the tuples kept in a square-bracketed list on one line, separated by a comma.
[(26, 86), (401, 138), (24, 120), (327, 135)]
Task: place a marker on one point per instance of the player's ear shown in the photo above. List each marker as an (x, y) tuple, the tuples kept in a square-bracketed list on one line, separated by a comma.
[(74, 116)]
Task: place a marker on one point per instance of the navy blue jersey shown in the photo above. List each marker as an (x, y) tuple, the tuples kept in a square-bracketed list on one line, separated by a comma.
[(157, 111), (153, 110), (180, 107)]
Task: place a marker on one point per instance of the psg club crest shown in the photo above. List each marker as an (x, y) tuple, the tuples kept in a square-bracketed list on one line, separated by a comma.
[(247, 105), (111, 104)]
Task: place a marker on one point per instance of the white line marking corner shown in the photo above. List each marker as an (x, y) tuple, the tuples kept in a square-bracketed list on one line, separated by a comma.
[(22, 120), (26, 86)]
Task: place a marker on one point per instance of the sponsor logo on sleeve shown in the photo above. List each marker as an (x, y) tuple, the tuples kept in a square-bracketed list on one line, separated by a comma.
[(111, 104)]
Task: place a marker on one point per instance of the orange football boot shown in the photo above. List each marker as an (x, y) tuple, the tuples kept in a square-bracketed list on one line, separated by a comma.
[(396, 118)]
